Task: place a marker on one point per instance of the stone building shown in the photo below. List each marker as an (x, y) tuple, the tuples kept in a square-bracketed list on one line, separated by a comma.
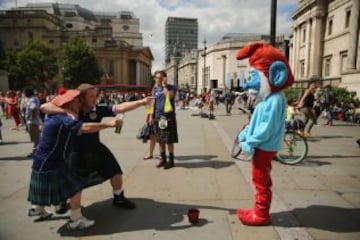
[(325, 43), (114, 37)]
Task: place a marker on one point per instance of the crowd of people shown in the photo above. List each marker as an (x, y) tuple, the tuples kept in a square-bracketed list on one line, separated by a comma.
[(315, 102), (68, 155)]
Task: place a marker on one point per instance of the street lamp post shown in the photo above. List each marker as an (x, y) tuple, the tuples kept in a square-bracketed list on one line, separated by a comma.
[(273, 23), (204, 74)]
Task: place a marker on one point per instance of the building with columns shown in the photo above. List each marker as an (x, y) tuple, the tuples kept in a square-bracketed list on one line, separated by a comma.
[(218, 67), (114, 37), (325, 43)]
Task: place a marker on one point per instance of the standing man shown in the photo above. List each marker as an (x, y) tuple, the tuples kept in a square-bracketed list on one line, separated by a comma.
[(165, 122), (329, 103), (32, 117), (229, 101), (100, 163)]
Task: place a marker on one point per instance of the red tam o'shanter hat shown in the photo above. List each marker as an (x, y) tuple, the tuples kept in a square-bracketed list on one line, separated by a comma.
[(261, 56)]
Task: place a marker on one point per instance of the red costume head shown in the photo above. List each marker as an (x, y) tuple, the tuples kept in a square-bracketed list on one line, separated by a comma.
[(271, 62)]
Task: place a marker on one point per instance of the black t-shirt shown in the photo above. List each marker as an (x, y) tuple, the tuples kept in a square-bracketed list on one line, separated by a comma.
[(96, 115)]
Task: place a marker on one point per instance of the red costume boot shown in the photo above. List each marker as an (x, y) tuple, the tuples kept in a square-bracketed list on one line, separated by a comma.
[(261, 167)]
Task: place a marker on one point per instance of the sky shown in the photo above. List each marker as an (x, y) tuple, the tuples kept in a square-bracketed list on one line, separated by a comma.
[(215, 17)]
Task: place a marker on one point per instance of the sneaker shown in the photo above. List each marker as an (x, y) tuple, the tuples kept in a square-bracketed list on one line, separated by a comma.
[(123, 202), (80, 223), (41, 212)]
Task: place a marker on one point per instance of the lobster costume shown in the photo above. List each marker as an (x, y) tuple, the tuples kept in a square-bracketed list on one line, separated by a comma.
[(262, 138)]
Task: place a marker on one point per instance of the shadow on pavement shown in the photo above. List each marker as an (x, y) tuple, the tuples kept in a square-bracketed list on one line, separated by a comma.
[(18, 158), (330, 137), (211, 164), (149, 215), (331, 156), (201, 161), (195, 157), (313, 163), (328, 218), (14, 142)]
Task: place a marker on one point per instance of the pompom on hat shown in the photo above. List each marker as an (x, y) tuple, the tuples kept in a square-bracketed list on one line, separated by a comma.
[(271, 62), (61, 91), (65, 98)]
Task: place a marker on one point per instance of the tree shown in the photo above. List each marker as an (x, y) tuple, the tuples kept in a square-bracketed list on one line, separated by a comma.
[(33, 64), (79, 64)]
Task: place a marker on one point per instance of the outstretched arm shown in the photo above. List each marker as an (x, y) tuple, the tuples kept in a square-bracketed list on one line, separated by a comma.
[(49, 108), (128, 106), (96, 127)]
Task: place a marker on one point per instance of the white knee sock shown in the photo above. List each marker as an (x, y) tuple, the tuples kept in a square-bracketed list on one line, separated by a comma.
[(118, 191), (75, 214)]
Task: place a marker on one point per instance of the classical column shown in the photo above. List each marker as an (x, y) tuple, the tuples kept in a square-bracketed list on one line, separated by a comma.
[(353, 27), (308, 47), (315, 58), (293, 51), (137, 72)]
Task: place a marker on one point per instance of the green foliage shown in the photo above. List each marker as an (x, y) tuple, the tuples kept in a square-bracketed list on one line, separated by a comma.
[(35, 63), (343, 95), (79, 64), (292, 93)]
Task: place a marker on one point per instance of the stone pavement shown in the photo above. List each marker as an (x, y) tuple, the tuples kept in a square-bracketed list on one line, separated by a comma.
[(318, 199)]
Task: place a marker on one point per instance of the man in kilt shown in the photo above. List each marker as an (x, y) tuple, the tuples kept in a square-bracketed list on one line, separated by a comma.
[(97, 161), (164, 123), (52, 181)]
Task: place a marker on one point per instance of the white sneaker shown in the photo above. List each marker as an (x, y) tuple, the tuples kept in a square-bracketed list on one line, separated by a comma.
[(80, 223), (39, 211)]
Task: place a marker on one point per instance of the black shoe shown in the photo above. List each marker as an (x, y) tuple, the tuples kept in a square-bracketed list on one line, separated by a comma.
[(123, 202), (63, 208), (169, 164)]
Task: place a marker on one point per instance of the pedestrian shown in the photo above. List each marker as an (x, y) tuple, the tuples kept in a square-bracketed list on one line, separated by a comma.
[(306, 105), (52, 181), (329, 104), (2, 101), (318, 103), (165, 121), (1, 139), (229, 101), (13, 110), (150, 125), (32, 117), (99, 162)]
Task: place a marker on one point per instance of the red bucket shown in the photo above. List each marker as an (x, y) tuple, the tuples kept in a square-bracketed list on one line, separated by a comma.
[(193, 215)]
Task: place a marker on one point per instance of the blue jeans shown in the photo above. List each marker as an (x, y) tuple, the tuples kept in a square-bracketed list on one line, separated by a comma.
[(329, 115)]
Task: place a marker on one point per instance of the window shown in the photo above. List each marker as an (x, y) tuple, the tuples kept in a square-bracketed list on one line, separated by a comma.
[(343, 59), (304, 35), (330, 25), (29, 22), (193, 80), (347, 20), (94, 40), (327, 66), (302, 68), (14, 22), (69, 25), (30, 36), (51, 41)]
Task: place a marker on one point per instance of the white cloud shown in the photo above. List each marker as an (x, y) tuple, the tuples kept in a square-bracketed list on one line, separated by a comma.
[(216, 18)]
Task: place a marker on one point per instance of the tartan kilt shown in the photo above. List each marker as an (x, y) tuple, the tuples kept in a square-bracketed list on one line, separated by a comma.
[(54, 186), (105, 167), (168, 135)]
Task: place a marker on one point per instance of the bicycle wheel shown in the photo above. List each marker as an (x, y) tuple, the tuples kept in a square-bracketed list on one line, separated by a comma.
[(294, 149), (236, 149)]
